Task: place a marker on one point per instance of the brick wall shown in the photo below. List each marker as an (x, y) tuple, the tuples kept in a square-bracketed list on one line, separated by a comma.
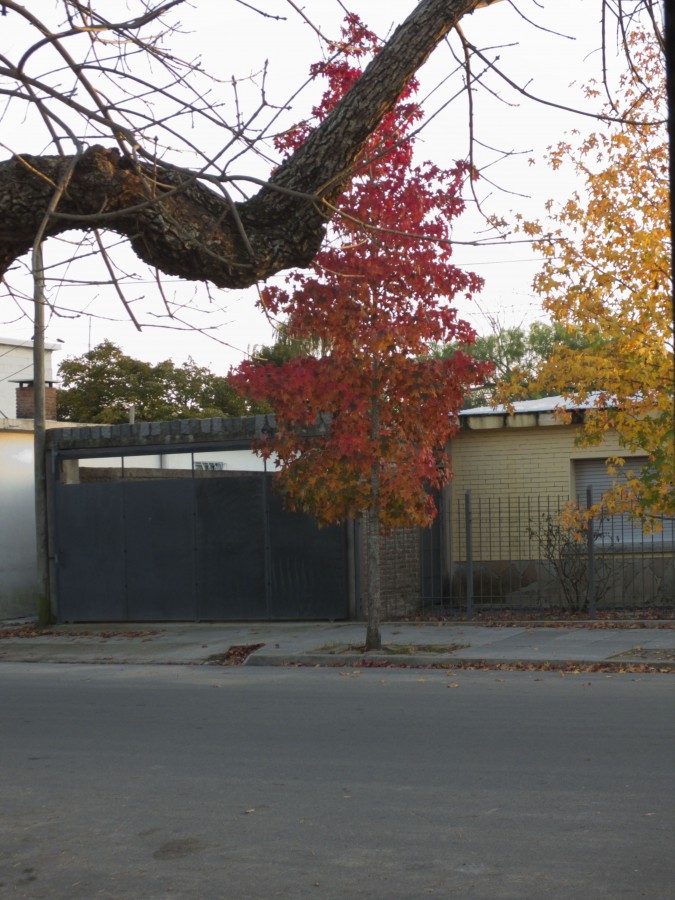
[(497, 464), (400, 573), (25, 402)]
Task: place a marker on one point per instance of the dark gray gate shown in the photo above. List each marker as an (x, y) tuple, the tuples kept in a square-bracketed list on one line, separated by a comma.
[(193, 549)]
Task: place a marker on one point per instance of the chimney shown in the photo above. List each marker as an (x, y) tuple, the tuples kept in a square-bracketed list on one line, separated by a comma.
[(25, 400)]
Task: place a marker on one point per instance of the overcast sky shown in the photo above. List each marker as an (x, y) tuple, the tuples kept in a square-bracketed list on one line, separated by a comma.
[(234, 40)]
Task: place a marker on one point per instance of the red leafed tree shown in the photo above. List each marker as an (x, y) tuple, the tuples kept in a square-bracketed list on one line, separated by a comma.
[(362, 426)]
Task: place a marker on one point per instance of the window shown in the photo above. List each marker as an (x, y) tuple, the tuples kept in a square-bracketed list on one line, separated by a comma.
[(621, 533), (209, 466)]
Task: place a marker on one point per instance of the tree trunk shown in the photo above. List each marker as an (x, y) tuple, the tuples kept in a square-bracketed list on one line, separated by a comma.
[(373, 636), (187, 230)]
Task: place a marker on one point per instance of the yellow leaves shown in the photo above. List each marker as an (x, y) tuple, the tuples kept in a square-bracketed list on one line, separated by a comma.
[(614, 463), (608, 275), (533, 229), (574, 521)]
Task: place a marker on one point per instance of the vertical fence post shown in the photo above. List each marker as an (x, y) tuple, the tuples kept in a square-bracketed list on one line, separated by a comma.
[(469, 554), (591, 556)]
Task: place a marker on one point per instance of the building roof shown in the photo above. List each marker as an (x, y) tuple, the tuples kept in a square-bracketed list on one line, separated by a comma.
[(17, 342), (541, 405), (527, 413)]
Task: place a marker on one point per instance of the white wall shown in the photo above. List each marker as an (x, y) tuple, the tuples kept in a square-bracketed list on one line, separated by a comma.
[(16, 362), (233, 460), (18, 575)]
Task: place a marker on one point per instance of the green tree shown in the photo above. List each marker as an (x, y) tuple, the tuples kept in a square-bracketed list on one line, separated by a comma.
[(516, 356), (102, 385), (286, 347)]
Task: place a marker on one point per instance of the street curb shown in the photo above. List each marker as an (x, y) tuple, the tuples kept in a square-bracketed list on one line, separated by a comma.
[(441, 661), (436, 662)]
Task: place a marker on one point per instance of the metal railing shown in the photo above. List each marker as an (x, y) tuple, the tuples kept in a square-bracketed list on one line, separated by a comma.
[(545, 553)]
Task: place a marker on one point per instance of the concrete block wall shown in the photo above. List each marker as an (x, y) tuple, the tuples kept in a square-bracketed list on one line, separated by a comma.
[(160, 436)]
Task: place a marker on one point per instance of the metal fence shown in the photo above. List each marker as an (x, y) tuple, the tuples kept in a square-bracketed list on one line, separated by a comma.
[(545, 553)]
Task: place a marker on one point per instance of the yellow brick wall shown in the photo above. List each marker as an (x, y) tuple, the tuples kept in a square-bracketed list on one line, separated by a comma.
[(513, 473), (521, 461)]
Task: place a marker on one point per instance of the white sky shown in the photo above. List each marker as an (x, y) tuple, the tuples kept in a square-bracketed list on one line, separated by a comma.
[(234, 40)]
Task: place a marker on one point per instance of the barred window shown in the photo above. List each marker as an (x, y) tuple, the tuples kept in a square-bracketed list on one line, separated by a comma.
[(623, 533)]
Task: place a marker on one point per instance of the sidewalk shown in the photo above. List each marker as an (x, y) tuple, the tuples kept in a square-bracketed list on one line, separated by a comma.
[(336, 644)]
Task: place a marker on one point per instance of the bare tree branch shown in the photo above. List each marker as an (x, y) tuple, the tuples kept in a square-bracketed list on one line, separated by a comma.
[(194, 233), (120, 86)]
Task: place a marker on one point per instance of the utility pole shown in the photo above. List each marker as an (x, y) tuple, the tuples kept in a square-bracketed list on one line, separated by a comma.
[(39, 443)]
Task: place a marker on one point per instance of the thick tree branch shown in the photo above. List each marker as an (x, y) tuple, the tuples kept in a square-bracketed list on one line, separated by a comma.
[(185, 229)]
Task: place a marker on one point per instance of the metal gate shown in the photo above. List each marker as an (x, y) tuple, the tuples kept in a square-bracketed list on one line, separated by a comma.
[(193, 549)]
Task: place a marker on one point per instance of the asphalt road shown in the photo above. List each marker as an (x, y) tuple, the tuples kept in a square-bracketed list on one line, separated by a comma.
[(144, 782)]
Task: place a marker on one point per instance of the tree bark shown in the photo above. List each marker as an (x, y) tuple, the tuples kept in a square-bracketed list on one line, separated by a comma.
[(185, 229), (373, 633)]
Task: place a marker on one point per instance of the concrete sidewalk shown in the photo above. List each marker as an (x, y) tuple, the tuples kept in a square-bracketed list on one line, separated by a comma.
[(335, 644)]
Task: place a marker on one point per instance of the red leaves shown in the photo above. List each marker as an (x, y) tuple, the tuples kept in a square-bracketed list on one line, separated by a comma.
[(379, 294), (33, 631), (23, 631), (235, 656)]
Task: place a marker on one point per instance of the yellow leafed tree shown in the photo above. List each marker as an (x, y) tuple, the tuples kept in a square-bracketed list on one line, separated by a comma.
[(607, 275)]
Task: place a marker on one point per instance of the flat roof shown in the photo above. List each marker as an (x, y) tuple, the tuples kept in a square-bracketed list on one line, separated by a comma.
[(541, 405), (17, 342)]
